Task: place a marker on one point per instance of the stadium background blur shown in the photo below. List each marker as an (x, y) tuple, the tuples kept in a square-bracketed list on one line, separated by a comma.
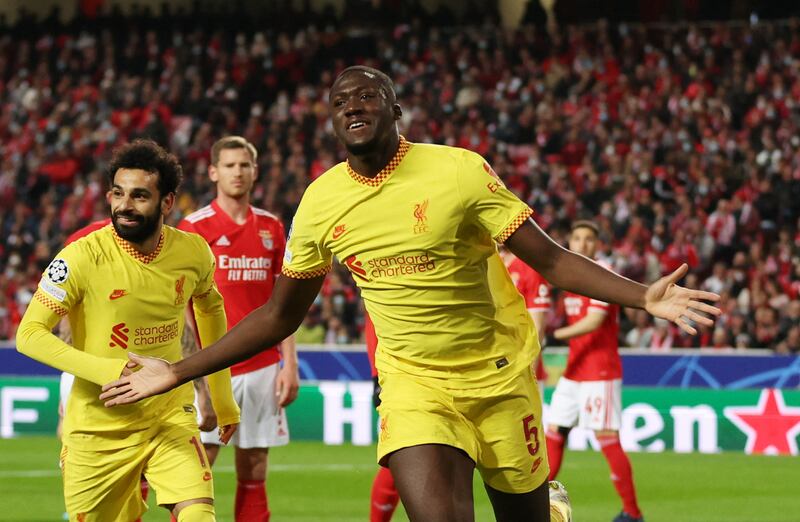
[(680, 138)]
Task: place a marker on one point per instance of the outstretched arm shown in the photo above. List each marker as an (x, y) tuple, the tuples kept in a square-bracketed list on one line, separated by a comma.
[(578, 274), (35, 339), (266, 326)]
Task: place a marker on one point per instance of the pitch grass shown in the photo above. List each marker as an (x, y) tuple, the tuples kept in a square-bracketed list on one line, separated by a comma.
[(310, 482)]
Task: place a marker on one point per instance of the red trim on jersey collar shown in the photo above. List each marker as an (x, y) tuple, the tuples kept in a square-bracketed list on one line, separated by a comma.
[(146, 259), (402, 149)]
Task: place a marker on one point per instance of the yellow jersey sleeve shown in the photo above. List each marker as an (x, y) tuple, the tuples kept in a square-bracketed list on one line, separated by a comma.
[(305, 256), (487, 202), (61, 287), (209, 313)]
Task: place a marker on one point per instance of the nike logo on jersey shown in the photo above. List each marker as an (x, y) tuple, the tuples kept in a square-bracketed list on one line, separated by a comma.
[(116, 294), (339, 231), (223, 241)]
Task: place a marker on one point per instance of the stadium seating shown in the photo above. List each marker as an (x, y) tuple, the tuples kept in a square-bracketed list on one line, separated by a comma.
[(681, 141)]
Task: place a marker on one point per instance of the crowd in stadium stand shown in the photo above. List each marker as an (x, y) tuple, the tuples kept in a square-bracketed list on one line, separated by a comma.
[(681, 142)]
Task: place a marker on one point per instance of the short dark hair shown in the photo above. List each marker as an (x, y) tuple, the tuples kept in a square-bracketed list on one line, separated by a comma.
[(585, 223), (147, 155), (381, 77), (232, 142)]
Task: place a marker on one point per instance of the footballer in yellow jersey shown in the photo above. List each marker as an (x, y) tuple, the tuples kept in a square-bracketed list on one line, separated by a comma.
[(417, 225), (423, 261), (125, 288)]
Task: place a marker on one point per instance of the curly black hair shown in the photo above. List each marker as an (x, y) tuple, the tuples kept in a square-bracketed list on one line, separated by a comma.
[(147, 155)]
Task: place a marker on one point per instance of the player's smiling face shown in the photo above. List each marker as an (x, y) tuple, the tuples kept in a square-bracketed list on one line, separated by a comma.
[(363, 113), (583, 241), (234, 173), (136, 204)]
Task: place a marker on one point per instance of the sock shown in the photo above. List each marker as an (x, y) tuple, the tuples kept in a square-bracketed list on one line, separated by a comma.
[(145, 487), (251, 501), (197, 513), (384, 498), (555, 452), (621, 473)]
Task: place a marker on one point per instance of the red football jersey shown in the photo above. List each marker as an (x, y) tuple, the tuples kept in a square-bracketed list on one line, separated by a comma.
[(249, 258), (593, 356), (536, 291), (533, 287), (85, 231)]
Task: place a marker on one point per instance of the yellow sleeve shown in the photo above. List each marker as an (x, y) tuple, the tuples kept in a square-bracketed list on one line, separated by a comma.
[(305, 257), (487, 201), (209, 313), (60, 289)]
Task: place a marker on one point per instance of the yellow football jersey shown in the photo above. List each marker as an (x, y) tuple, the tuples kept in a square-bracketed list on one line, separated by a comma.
[(419, 239), (117, 300)]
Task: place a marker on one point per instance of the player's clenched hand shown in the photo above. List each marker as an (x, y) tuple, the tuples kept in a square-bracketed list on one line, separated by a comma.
[(155, 376), (287, 385), (669, 301), (208, 417), (226, 432)]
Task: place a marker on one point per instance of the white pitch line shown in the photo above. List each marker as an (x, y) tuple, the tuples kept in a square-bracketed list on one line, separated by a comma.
[(272, 468)]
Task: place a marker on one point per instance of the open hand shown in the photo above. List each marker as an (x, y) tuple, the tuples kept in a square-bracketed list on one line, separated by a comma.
[(667, 300), (154, 376)]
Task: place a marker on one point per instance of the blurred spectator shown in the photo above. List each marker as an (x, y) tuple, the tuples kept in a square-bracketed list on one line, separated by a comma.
[(311, 331), (721, 226), (663, 337), (717, 282), (641, 335), (791, 343), (721, 339)]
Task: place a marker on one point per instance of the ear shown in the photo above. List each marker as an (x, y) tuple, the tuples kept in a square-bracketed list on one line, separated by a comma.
[(213, 175), (167, 202), (398, 112), (108, 197)]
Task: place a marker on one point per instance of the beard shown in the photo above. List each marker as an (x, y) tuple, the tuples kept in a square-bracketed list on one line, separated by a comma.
[(145, 227)]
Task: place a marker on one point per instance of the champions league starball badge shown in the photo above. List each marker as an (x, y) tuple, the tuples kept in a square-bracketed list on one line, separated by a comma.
[(58, 271)]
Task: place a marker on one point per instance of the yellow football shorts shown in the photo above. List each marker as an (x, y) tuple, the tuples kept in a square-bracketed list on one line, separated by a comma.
[(103, 486), (498, 427)]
